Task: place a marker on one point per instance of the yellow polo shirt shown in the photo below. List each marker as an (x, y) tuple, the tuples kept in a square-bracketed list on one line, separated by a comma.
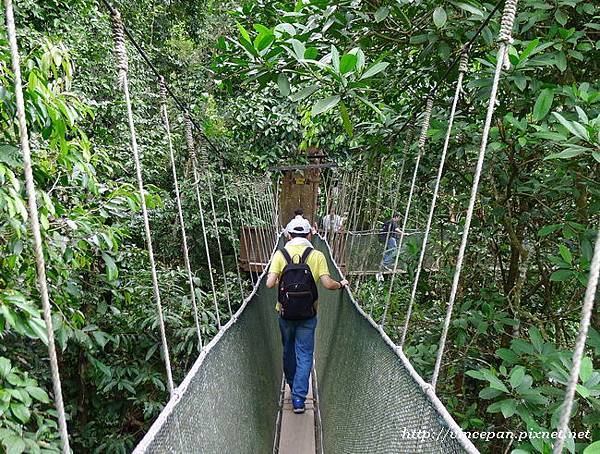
[(295, 247)]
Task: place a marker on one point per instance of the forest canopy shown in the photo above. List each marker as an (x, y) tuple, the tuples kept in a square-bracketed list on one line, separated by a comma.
[(265, 82)]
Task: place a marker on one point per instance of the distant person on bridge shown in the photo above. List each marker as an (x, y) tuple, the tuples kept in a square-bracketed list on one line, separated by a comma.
[(332, 222), (299, 216), (389, 235), (297, 268)]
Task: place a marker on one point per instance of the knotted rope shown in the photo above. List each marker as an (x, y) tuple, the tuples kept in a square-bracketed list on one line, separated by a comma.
[(422, 141), (186, 253), (584, 324), (216, 227), (122, 66), (504, 38), (35, 226), (461, 72), (192, 152)]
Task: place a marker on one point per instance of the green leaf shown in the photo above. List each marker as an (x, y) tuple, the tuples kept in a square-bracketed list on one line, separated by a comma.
[(111, 267), (299, 48), (469, 8), (323, 105), (560, 61), (439, 17), (583, 391), (335, 59), (5, 367), (38, 326), (495, 382), (261, 29), (348, 63), (244, 32), (565, 154), (478, 375), (594, 448), (14, 444), (561, 17), (573, 127), (489, 393), (374, 69), (20, 411), (38, 394), (516, 376), (565, 253), (543, 104), (283, 84), (596, 155), (548, 229), (587, 369), (311, 53), (304, 93), (381, 13), (346, 119), (508, 407)]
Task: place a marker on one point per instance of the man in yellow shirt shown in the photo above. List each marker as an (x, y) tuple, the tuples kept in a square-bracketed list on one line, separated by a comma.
[(298, 335)]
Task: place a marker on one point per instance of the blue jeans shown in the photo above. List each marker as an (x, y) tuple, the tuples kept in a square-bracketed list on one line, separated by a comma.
[(389, 255), (298, 338)]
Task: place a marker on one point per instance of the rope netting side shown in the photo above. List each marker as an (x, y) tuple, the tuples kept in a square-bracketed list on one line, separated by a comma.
[(508, 17), (422, 140), (35, 226), (461, 72), (186, 253), (584, 325), (232, 237), (122, 67)]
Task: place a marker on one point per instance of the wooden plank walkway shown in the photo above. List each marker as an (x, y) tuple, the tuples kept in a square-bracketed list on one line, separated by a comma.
[(297, 431)]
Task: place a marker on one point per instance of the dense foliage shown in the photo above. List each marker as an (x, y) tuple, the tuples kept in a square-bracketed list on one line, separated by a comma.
[(267, 80)]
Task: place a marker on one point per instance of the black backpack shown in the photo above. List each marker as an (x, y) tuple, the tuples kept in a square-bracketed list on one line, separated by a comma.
[(297, 288), (385, 232)]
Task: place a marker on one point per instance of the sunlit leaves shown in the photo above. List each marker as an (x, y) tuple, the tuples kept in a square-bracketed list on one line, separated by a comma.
[(323, 105), (439, 17), (543, 104)]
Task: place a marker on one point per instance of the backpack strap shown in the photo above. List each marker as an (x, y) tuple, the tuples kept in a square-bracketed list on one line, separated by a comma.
[(286, 255), (305, 254)]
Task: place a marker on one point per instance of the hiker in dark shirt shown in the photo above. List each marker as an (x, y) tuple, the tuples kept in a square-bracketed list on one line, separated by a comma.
[(389, 236)]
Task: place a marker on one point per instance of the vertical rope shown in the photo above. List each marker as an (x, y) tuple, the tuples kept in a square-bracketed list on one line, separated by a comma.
[(122, 66), (461, 72), (504, 38), (35, 227), (584, 324), (219, 247), (192, 152), (232, 233), (422, 140), (186, 253), (246, 235)]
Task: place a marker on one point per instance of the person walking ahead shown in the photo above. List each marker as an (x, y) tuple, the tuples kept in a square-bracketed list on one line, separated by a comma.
[(297, 268)]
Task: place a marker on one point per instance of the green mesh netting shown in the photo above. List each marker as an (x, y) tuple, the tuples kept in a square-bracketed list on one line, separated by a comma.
[(370, 399)]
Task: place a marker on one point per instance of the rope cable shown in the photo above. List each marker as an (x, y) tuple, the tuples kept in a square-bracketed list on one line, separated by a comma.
[(232, 233), (504, 37), (422, 140), (35, 226), (122, 67), (461, 72), (584, 324), (186, 253), (192, 153)]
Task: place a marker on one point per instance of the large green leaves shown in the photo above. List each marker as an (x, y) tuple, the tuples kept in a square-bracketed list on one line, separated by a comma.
[(323, 105), (543, 104)]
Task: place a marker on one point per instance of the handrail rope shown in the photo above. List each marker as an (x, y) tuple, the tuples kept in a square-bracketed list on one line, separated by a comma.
[(245, 236), (584, 324), (356, 207), (461, 72), (257, 219), (186, 252), (192, 152), (396, 200), (373, 222), (270, 201), (266, 211), (35, 226), (122, 67), (504, 38), (147, 60), (218, 235), (232, 233), (422, 140)]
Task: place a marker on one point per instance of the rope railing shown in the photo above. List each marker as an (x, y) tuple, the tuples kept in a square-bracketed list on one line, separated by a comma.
[(461, 72), (42, 280), (422, 140), (504, 38), (122, 68), (186, 253)]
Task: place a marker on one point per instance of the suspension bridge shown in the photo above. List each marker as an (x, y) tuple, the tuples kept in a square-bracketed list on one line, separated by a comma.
[(366, 395)]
